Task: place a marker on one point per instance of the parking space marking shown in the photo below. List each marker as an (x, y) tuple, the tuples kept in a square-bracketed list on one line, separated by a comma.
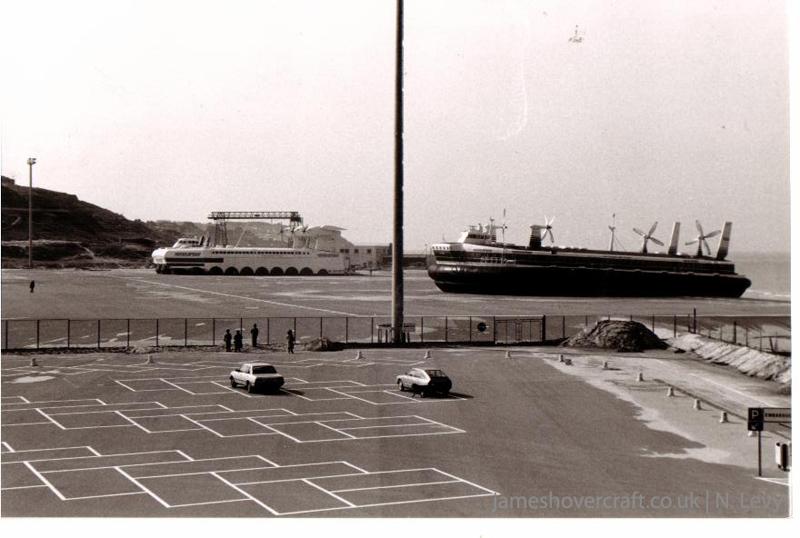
[(155, 418), (80, 479)]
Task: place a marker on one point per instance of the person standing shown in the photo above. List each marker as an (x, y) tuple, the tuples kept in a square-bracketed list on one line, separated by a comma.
[(227, 339), (254, 335), (237, 340), (290, 341), (33, 285)]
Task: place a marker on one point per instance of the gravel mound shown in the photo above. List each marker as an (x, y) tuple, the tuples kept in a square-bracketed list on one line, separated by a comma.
[(617, 335), (322, 344)]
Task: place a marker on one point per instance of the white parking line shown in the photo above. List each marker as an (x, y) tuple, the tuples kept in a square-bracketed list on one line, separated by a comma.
[(345, 501)]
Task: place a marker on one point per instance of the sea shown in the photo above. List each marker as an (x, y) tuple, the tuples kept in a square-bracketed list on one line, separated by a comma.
[(769, 272)]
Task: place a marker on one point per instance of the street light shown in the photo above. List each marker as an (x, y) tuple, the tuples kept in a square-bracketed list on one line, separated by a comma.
[(31, 162)]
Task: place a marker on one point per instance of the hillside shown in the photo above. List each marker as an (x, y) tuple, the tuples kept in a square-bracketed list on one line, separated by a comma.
[(70, 232)]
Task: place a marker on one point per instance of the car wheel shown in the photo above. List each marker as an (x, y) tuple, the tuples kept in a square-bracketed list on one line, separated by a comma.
[(233, 383), (400, 386), (248, 386)]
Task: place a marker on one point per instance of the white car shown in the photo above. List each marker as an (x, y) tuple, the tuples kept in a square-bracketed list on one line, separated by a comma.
[(425, 381), (257, 376)]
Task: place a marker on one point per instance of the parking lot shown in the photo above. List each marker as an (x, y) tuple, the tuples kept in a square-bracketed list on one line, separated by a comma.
[(114, 434)]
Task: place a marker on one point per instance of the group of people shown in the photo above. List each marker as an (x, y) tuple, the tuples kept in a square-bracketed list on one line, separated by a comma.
[(238, 344)]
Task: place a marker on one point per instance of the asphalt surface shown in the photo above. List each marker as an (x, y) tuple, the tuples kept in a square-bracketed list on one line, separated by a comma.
[(140, 293), (110, 435)]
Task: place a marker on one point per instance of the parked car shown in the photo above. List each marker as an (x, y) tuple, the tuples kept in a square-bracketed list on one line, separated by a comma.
[(257, 376), (425, 381)]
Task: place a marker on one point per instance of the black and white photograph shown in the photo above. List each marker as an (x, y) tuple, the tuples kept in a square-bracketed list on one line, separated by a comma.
[(463, 267)]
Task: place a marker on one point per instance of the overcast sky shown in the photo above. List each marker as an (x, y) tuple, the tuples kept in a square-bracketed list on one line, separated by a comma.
[(169, 110)]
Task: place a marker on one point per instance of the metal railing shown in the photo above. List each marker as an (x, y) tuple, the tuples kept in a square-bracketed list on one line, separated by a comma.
[(767, 333)]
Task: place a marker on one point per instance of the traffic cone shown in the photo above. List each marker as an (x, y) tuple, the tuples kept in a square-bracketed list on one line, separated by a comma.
[(670, 392), (697, 406), (33, 361), (359, 355), (723, 417), (427, 354)]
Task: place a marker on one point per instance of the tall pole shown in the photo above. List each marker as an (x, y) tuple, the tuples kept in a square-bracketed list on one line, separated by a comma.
[(397, 237), (31, 162)]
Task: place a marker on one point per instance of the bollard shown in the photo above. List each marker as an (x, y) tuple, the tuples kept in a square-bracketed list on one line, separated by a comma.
[(639, 377), (697, 406), (33, 361), (150, 360), (359, 355), (670, 392), (427, 354), (723, 417), (508, 354), (783, 456)]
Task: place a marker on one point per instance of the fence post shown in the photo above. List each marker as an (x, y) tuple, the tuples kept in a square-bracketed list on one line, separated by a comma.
[(470, 328), (268, 331), (294, 327), (6, 329), (37, 334), (128, 337), (494, 329), (241, 324), (674, 325), (734, 331), (68, 328), (372, 330), (214, 331), (654, 323), (98, 334), (346, 327), (185, 332), (585, 322), (422, 329), (563, 326), (746, 337), (156, 332), (694, 317), (445, 328), (544, 327), (760, 340), (320, 326)]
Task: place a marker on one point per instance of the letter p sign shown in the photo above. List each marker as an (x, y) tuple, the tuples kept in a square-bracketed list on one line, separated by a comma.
[(755, 419)]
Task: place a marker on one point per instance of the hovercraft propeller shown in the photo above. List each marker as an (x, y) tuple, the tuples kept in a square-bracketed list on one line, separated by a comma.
[(548, 229), (648, 237), (701, 239)]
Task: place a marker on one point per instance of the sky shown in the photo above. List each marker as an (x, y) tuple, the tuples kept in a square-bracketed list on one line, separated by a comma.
[(666, 111)]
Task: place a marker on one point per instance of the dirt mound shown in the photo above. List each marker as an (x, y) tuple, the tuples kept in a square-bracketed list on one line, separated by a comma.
[(322, 344), (617, 335)]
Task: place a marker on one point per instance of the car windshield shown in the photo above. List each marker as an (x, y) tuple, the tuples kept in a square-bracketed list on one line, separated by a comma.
[(435, 373), (264, 370)]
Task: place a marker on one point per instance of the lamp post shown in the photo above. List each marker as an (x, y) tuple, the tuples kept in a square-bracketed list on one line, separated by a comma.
[(31, 162), (397, 236)]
